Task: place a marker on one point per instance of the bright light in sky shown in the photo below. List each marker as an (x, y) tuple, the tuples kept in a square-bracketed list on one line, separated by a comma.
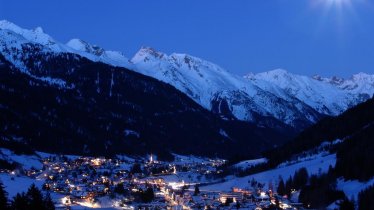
[(337, 4), (327, 37)]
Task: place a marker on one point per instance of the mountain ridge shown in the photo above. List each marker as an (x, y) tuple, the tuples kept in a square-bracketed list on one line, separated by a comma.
[(263, 98)]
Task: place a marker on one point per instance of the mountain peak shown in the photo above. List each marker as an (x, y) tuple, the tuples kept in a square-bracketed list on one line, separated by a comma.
[(38, 30), (336, 80), (80, 45), (278, 72), (36, 35), (362, 76), (249, 76), (147, 53), (151, 51), (4, 24), (193, 62), (317, 77)]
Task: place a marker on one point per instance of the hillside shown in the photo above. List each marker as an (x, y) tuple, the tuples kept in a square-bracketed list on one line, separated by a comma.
[(68, 104), (354, 123)]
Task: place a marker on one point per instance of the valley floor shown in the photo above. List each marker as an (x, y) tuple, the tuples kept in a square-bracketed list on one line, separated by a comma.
[(100, 183)]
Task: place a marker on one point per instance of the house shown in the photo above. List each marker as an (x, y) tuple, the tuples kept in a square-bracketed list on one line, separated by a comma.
[(235, 196)]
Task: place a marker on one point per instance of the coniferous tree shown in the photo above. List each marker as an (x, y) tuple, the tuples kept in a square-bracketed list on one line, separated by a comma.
[(346, 204), (20, 202), (365, 199), (281, 188), (35, 197), (197, 190), (300, 178), (320, 192), (289, 186), (3, 197), (48, 203)]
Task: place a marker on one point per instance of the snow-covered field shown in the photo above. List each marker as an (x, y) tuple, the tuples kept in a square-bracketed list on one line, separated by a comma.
[(187, 177), (18, 184), (249, 163), (184, 159), (28, 161), (351, 188), (320, 164)]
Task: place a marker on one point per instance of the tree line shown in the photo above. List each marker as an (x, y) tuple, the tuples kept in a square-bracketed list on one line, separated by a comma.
[(328, 129), (316, 191), (32, 199), (366, 199)]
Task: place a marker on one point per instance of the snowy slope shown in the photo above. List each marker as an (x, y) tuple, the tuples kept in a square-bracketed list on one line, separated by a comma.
[(250, 163), (323, 97), (27, 161), (15, 40), (351, 188), (96, 53), (206, 83), (198, 78), (360, 83), (14, 184), (266, 98), (316, 165), (36, 35), (216, 89)]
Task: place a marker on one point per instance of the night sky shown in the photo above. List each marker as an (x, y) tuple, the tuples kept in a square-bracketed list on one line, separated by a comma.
[(326, 37)]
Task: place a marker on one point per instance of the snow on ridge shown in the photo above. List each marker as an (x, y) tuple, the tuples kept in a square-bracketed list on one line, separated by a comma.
[(360, 83), (96, 53), (60, 83), (11, 40), (197, 78), (322, 96), (36, 35), (80, 45), (15, 36), (250, 163), (129, 132), (203, 81), (145, 54)]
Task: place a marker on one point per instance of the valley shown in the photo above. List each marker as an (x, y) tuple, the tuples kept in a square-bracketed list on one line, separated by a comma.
[(82, 127)]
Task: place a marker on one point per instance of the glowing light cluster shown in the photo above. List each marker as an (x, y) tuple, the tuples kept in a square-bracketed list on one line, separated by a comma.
[(89, 204)]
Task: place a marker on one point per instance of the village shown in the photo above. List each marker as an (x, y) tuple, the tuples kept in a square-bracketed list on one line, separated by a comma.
[(126, 183)]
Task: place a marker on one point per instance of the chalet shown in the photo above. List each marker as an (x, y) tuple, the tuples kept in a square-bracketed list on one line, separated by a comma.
[(235, 196)]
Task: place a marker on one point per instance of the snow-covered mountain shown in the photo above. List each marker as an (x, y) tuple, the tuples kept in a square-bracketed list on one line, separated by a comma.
[(220, 91), (266, 98), (294, 99), (15, 39), (36, 35), (324, 97), (96, 53), (360, 83)]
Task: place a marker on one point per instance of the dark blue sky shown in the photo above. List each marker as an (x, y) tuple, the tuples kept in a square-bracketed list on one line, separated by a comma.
[(302, 36)]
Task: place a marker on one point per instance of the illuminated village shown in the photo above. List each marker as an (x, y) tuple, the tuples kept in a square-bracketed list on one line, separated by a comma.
[(125, 183)]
